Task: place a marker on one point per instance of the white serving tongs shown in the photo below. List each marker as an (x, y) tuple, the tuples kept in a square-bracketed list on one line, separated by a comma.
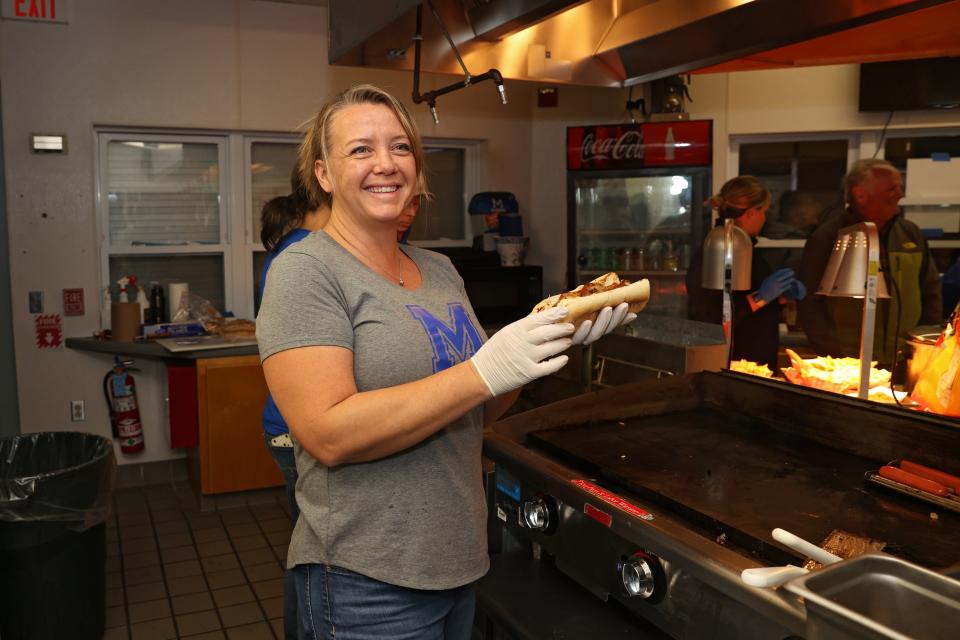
[(771, 576), (776, 576), (806, 548)]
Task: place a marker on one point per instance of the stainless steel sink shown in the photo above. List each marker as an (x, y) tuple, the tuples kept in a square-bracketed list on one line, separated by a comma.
[(879, 596)]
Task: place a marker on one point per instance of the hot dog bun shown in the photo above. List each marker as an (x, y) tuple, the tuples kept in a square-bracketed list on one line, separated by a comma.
[(586, 301)]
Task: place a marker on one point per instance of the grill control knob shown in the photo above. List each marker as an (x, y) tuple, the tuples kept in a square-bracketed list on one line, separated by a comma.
[(637, 575), (536, 514)]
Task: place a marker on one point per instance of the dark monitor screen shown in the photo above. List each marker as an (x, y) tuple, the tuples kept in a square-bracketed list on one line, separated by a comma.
[(906, 85)]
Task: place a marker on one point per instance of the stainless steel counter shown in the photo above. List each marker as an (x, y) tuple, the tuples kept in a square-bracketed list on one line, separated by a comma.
[(152, 351)]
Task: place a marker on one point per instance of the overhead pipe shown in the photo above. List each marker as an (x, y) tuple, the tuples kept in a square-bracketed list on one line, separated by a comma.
[(431, 96)]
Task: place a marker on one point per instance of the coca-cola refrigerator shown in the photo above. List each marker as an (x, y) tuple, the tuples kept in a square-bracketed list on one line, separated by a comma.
[(635, 196)]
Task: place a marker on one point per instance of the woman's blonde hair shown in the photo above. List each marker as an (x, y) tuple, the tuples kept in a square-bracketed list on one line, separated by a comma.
[(737, 195), (316, 141)]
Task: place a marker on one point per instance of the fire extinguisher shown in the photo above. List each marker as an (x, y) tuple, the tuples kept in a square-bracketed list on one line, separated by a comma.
[(121, 393)]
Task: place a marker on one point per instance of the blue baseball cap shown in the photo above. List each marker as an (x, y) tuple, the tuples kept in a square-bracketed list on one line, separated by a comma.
[(493, 202)]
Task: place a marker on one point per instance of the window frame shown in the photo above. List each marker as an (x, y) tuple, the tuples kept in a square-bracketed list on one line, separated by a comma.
[(103, 136), (237, 246), (857, 144), (473, 178), (878, 142), (242, 263)]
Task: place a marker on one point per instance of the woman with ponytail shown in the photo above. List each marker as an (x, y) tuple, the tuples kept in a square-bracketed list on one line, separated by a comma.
[(286, 219), (756, 315)]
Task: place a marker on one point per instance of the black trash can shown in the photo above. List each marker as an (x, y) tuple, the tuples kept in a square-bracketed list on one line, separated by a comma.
[(55, 498)]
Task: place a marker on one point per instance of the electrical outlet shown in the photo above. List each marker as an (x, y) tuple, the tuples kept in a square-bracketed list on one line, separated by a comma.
[(77, 413)]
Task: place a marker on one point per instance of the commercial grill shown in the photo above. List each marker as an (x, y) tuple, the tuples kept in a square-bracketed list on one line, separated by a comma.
[(658, 494)]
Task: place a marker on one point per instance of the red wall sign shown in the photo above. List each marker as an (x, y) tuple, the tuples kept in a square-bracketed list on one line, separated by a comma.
[(49, 330), (73, 302), (682, 143), (37, 10)]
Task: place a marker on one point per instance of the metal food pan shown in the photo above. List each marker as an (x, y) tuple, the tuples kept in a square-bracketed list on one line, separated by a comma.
[(879, 596)]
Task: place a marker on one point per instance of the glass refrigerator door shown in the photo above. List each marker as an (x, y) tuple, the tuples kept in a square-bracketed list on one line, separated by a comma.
[(640, 227)]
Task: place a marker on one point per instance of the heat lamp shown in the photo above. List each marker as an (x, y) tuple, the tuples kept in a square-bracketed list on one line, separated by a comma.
[(853, 271), (727, 261)]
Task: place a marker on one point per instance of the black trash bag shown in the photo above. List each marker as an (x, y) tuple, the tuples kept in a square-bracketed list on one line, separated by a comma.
[(64, 477), (55, 497)]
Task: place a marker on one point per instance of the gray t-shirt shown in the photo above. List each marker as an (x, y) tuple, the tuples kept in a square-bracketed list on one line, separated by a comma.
[(416, 518)]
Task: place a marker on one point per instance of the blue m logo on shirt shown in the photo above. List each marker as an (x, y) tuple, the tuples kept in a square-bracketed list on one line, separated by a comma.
[(452, 343)]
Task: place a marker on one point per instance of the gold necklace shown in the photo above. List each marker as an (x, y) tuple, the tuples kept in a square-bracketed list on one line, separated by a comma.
[(358, 253)]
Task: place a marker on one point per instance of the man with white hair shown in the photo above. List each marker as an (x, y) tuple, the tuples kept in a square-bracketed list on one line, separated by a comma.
[(873, 189)]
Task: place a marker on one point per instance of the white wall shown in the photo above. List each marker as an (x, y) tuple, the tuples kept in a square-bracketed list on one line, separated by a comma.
[(217, 64), (812, 99)]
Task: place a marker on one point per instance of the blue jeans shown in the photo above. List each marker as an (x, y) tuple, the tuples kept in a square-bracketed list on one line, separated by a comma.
[(288, 467), (338, 604)]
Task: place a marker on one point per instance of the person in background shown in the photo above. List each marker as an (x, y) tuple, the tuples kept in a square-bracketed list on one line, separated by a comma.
[(873, 190), (407, 217), (375, 358), (285, 220), (798, 215), (756, 315)]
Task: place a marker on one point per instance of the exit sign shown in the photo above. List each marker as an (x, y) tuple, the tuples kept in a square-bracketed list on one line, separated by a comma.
[(37, 10)]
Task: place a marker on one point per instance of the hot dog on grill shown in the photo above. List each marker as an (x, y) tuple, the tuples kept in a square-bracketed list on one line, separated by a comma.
[(586, 301), (911, 480), (947, 480)]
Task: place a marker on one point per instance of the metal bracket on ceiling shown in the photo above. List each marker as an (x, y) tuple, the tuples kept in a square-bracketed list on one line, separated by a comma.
[(430, 97), (636, 105)]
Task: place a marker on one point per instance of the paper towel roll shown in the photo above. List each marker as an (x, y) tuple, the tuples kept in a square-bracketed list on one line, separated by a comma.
[(125, 321), (175, 291)]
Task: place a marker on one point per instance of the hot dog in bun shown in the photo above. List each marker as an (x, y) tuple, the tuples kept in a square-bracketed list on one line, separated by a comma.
[(586, 301)]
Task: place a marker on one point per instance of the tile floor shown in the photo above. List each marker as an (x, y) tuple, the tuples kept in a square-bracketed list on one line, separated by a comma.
[(182, 568)]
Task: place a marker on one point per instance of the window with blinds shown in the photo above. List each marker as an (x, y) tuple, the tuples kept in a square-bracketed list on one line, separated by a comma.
[(163, 211), (162, 193), (185, 206)]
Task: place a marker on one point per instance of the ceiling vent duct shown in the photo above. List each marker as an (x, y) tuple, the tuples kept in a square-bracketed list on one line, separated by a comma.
[(592, 42)]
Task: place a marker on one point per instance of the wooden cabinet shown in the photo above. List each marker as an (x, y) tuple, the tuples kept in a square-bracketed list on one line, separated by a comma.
[(216, 400), (231, 454)]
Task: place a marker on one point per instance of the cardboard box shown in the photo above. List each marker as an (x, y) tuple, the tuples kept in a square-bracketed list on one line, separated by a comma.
[(174, 329)]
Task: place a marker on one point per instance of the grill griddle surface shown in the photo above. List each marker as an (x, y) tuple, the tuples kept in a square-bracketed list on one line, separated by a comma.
[(733, 476)]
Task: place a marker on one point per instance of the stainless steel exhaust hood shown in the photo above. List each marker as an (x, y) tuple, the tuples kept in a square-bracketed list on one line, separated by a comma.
[(594, 42)]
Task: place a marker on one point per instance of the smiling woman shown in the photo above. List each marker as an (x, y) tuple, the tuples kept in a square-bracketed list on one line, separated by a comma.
[(372, 170), (377, 362)]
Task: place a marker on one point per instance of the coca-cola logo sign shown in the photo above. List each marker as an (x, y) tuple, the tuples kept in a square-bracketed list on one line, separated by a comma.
[(627, 146), (639, 145)]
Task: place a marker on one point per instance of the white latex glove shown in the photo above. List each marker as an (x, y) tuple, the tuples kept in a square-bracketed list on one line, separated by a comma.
[(608, 319), (523, 351)]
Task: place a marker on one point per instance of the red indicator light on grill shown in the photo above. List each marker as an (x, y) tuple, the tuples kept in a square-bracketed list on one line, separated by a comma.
[(612, 499), (602, 517)]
